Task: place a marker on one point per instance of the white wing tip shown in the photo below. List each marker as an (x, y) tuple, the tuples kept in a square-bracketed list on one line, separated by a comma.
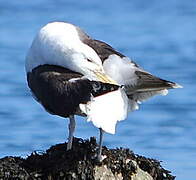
[(177, 86)]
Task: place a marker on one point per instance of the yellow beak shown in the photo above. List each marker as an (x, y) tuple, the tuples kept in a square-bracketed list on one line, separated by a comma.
[(104, 78)]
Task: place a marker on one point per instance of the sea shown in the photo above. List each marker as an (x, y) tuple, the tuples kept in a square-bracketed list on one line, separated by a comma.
[(160, 36)]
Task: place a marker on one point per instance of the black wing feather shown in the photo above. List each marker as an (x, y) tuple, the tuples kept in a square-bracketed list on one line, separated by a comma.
[(61, 90)]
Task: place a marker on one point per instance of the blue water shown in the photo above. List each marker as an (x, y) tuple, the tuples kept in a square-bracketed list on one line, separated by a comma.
[(159, 35)]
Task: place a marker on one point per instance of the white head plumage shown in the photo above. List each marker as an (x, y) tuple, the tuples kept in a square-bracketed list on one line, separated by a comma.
[(58, 43)]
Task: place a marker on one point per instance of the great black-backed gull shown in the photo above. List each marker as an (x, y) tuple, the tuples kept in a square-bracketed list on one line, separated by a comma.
[(70, 73)]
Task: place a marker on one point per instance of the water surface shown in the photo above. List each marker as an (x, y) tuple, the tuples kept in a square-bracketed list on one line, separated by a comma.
[(159, 35)]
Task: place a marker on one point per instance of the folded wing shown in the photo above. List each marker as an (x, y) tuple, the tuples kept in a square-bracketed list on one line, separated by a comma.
[(139, 84)]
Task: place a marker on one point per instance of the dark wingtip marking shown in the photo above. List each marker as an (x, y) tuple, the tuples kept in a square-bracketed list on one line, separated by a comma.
[(148, 80)]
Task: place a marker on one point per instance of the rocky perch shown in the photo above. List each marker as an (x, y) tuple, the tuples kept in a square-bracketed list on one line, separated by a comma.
[(80, 163)]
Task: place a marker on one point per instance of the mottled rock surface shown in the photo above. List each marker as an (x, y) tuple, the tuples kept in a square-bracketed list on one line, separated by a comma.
[(80, 163)]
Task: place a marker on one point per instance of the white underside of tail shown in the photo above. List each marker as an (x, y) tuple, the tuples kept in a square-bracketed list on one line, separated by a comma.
[(106, 110), (138, 98)]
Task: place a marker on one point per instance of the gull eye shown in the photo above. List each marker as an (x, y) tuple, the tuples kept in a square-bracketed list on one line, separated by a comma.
[(89, 60)]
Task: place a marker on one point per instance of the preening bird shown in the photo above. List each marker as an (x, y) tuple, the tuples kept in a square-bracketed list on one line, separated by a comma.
[(70, 73)]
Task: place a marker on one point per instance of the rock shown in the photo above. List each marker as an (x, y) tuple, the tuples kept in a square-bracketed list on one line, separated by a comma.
[(80, 163)]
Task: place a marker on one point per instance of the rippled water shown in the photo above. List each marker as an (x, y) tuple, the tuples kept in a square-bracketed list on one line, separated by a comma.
[(159, 35)]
